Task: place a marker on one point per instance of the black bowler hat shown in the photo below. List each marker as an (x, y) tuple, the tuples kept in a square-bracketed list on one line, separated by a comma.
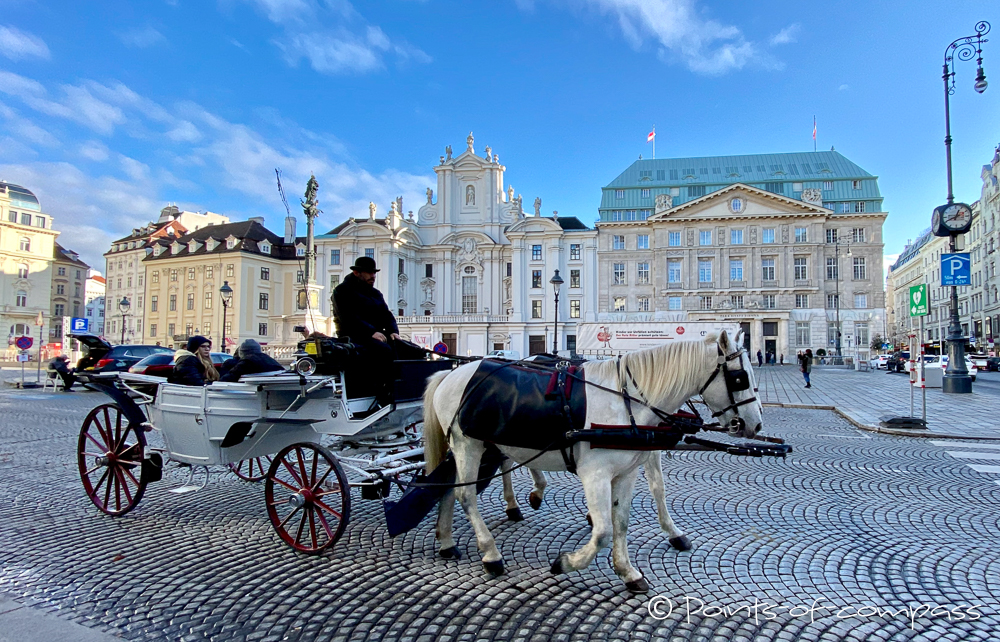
[(365, 264)]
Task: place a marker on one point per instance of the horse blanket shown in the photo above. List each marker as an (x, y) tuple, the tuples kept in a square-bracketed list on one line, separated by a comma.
[(515, 405)]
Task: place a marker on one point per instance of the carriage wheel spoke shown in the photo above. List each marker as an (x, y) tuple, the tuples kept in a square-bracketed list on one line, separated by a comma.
[(90, 471), (322, 520), (119, 437), (107, 491), (291, 471), (312, 527), (124, 484), (294, 489), (298, 533), (96, 487), (302, 467), (107, 427), (126, 471), (100, 431), (122, 453), (315, 487), (103, 447), (287, 517), (312, 477), (326, 507)]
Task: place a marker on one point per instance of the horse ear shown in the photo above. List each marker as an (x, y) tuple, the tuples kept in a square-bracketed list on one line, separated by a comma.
[(724, 340)]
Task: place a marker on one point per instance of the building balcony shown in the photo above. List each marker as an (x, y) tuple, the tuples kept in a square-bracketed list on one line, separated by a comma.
[(453, 318)]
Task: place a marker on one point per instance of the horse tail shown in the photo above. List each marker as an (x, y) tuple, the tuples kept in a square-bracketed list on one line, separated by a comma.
[(435, 441)]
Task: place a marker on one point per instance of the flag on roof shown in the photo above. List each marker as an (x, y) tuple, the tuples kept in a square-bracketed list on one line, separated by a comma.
[(651, 136), (814, 128)]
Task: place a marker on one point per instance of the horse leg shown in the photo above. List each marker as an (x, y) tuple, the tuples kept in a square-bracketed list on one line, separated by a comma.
[(468, 454), (513, 510), (537, 489), (654, 475), (597, 490), (445, 523), (622, 491)]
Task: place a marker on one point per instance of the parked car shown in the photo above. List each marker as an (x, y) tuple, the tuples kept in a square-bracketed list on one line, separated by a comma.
[(934, 360), (898, 362), (993, 364), (879, 361), (979, 360), (101, 356), (161, 364)]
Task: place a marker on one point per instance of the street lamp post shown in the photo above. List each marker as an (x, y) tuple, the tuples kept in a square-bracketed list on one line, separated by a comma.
[(124, 306), (226, 293), (838, 360), (956, 378), (556, 282)]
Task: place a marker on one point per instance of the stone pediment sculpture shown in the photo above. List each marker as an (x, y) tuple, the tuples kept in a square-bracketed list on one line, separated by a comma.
[(813, 196), (469, 252), (663, 202), (371, 210)]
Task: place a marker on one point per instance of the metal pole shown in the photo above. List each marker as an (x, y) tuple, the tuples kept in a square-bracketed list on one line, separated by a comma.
[(224, 309), (38, 378), (923, 391), (555, 331), (836, 273)]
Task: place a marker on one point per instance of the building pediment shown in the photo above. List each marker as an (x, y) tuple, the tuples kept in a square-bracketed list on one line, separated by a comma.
[(739, 201), (534, 224)]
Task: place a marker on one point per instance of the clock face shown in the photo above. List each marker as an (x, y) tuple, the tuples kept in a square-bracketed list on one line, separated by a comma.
[(956, 216)]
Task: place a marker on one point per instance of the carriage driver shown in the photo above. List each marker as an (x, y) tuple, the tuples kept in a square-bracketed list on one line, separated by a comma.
[(360, 312)]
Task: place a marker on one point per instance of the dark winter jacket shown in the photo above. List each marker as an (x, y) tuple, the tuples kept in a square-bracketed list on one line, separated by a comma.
[(359, 311), (60, 364), (249, 360), (188, 369)]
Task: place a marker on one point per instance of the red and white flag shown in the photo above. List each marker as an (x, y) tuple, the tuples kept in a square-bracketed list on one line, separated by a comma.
[(650, 136), (814, 128)]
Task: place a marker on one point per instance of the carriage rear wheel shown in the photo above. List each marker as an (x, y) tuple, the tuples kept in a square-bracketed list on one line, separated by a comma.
[(308, 497), (253, 469), (109, 455)]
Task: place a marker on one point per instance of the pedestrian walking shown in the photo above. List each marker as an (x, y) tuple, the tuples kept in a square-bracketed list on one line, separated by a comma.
[(805, 365), (781, 359), (760, 359)]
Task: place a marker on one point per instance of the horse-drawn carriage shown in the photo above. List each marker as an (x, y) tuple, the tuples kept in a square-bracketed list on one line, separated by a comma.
[(281, 428)]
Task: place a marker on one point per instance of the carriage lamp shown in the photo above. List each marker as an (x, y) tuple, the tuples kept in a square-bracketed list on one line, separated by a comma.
[(226, 293), (124, 306), (556, 282)]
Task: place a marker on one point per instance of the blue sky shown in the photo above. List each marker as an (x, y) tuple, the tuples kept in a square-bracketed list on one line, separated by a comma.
[(111, 109)]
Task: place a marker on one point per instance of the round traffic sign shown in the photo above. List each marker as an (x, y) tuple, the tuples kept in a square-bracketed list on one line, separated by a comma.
[(440, 347), (24, 342)]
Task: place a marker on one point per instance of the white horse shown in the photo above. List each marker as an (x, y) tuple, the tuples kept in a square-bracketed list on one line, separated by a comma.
[(663, 378)]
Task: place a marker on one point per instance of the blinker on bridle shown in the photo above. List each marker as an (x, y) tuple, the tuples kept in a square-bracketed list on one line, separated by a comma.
[(737, 380)]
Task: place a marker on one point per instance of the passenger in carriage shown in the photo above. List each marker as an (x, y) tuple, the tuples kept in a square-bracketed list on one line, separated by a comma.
[(249, 360), (193, 365), (360, 312)]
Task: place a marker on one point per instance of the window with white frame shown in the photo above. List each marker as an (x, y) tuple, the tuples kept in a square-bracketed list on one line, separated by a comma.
[(22, 271), (619, 304), (768, 302), (856, 184), (618, 274), (736, 269), (574, 308), (674, 239), (803, 334), (574, 251), (574, 278), (536, 278), (828, 185), (469, 295), (845, 207), (831, 236), (334, 257), (767, 269), (673, 271), (262, 329), (536, 309), (229, 272), (831, 268), (536, 252), (736, 237), (801, 300), (642, 304), (859, 206), (705, 237), (642, 242), (801, 235), (619, 193), (230, 243), (645, 193), (642, 273), (265, 274), (262, 301), (705, 271), (833, 301), (860, 300), (25, 244), (705, 302), (767, 235), (801, 268), (21, 299), (858, 235), (736, 300), (618, 242), (674, 303), (860, 269), (861, 334), (265, 248)]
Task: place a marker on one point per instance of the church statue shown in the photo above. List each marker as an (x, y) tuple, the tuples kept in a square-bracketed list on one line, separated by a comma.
[(510, 193), (489, 153), (470, 195), (371, 210), (538, 206), (310, 206), (469, 140), (399, 205), (447, 150), (430, 195)]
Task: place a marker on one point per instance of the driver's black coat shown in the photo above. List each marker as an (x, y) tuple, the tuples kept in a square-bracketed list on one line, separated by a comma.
[(514, 405), (359, 311)]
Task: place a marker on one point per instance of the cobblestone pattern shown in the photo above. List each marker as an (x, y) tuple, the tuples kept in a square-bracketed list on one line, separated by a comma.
[(851, 518)]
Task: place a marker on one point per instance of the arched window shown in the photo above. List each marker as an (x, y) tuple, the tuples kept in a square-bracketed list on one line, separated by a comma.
[(22, 299), (25, 244), (19, 330), (22, 271)]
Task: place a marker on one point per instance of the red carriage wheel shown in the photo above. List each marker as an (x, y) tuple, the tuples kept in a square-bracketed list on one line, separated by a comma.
[(109, 455), (308, 497), (254, 469)]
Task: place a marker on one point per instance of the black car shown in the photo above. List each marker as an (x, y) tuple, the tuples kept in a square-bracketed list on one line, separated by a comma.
[(101, 356), (993, 364)]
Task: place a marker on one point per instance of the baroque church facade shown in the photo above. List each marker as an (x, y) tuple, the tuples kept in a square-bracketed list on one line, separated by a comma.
[(471, 269)]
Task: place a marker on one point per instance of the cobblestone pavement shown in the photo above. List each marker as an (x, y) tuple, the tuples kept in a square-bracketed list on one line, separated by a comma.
[(864, 397), (853, 519)]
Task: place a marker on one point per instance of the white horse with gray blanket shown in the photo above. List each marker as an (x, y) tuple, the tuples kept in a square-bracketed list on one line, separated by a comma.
[(660, 378)]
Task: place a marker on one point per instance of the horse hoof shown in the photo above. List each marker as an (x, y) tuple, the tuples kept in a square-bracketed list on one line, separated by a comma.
[(590, 521), (494, 569), (450, 553), (557, 566), (514, 515), (638, 587), (681, 543), (534, 500)]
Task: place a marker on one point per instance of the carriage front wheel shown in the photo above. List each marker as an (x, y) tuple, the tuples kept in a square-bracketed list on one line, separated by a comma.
[(253, 469), (308, 497), (109, 455)]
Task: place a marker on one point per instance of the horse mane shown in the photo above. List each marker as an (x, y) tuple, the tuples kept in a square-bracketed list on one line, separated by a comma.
[(662, 370)]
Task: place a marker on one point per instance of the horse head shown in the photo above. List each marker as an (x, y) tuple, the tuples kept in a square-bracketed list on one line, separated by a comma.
[(731, 391)]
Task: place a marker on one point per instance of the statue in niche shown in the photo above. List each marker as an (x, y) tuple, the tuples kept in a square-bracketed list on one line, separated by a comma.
[(447, 150), (690, 237), (371, 210), (510, 193), (402, 280), (506, 289), (430, 195), (470, 195), (753, 235), (538, 206), (427, 285)]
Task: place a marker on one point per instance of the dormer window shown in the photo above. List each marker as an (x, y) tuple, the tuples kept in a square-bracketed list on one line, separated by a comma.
[(158, 250), (193, 246), (265, 248), (230, 243), (211, 244), (175, 247), (300, 251)]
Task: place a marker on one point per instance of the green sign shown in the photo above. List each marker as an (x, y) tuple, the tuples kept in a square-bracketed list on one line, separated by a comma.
[(918, 300)]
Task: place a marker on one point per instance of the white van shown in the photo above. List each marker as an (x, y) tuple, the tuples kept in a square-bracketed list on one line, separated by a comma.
[(513, 355)]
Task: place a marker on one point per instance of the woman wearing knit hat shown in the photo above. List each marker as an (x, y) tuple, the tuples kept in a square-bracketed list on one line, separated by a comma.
[(193, 365)]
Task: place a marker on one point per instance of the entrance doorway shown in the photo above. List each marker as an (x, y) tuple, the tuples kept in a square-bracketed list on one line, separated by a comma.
[(745, 327), (536, 344), (771, 348)]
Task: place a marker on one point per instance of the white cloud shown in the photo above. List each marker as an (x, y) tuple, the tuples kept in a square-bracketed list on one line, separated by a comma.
[(184, 132), (333, 37), (17, 44), (94, 150), (25, 130), (142, 38), (786, 35), (843, 88)]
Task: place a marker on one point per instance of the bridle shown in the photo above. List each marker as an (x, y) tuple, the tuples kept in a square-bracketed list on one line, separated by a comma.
[(736, 380)]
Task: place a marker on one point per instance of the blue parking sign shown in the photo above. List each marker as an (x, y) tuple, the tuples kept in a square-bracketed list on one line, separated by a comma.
[(956, 269), (79, 325)]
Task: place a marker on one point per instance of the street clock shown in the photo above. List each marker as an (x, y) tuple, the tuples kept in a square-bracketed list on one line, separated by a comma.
[(947, 220)]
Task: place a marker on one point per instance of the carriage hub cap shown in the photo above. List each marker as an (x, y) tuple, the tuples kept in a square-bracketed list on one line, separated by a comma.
[(298, 500)]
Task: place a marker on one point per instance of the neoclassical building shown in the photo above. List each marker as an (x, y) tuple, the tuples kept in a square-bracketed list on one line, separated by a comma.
[(782, 244), (471, 269)]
